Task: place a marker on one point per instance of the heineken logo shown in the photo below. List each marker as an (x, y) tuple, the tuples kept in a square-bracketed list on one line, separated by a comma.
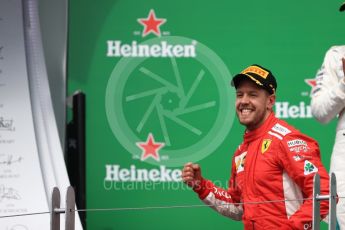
[(285, 109), (133, 174), (116, 48), (168, 100), (301, 110), (162, 48), (169, 111)]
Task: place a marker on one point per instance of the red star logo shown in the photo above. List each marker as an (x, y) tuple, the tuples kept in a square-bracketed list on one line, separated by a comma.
[(151, 24), (310, 82), (150, 148)]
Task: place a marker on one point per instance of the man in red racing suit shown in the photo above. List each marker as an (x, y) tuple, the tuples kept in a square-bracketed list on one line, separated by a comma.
[(271, 183)]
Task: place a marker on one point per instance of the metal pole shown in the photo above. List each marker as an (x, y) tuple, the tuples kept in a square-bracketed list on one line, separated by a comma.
[(75, 150), (332, 199), (70, 206), (332, 202), (55, 204), (316, 204)]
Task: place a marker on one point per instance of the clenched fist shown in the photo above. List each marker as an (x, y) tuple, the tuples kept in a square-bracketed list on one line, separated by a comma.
[(191, 175)]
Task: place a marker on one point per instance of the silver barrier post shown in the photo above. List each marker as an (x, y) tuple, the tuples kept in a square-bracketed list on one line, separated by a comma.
[(55, 204), (70, 205), (332, 202), (69, 210), (316, 204)]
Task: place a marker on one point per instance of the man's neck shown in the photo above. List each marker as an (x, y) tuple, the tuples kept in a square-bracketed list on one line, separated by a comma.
[(268, 113)]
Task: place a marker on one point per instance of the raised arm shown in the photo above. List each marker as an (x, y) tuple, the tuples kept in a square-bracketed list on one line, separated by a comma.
[(219, 199), (328, 96)]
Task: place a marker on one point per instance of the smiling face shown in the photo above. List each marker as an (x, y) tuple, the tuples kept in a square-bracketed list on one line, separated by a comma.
[(253, 104)]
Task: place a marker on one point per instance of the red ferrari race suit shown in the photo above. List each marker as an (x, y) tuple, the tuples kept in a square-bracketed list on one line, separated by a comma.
[(275, 162)]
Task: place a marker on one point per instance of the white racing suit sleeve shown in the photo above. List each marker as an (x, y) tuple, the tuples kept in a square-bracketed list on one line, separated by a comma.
[(328, 96), (220, 200), (223, 207)]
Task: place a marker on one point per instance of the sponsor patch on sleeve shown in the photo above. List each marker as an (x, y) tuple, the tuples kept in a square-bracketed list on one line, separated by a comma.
[(309, 168), (297, 145), (298, 149), (299, 157), (281, 129)]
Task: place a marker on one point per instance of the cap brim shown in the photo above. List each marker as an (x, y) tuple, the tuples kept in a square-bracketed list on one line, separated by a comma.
[(240, 77), (237, 79), (342, 7)]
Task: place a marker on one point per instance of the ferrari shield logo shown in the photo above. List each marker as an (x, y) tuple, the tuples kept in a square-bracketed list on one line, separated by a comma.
[(265, 145)]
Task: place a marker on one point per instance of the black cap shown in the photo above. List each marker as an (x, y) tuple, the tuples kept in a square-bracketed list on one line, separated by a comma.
[(342, 7), (261, 76)]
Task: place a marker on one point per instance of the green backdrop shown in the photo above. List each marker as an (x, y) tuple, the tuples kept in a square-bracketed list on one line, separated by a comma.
[(160, 98)]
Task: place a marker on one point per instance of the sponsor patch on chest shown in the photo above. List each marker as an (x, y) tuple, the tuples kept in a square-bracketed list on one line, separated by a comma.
[(299, 157), (297, 146), (298, 149), (239, 161), (281, 129), (296, 142)]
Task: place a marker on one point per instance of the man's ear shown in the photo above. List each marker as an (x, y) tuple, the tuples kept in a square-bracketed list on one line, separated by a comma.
[(271, 101)]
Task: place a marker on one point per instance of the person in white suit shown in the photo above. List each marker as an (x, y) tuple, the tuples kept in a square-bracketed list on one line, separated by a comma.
[(328, 102)]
